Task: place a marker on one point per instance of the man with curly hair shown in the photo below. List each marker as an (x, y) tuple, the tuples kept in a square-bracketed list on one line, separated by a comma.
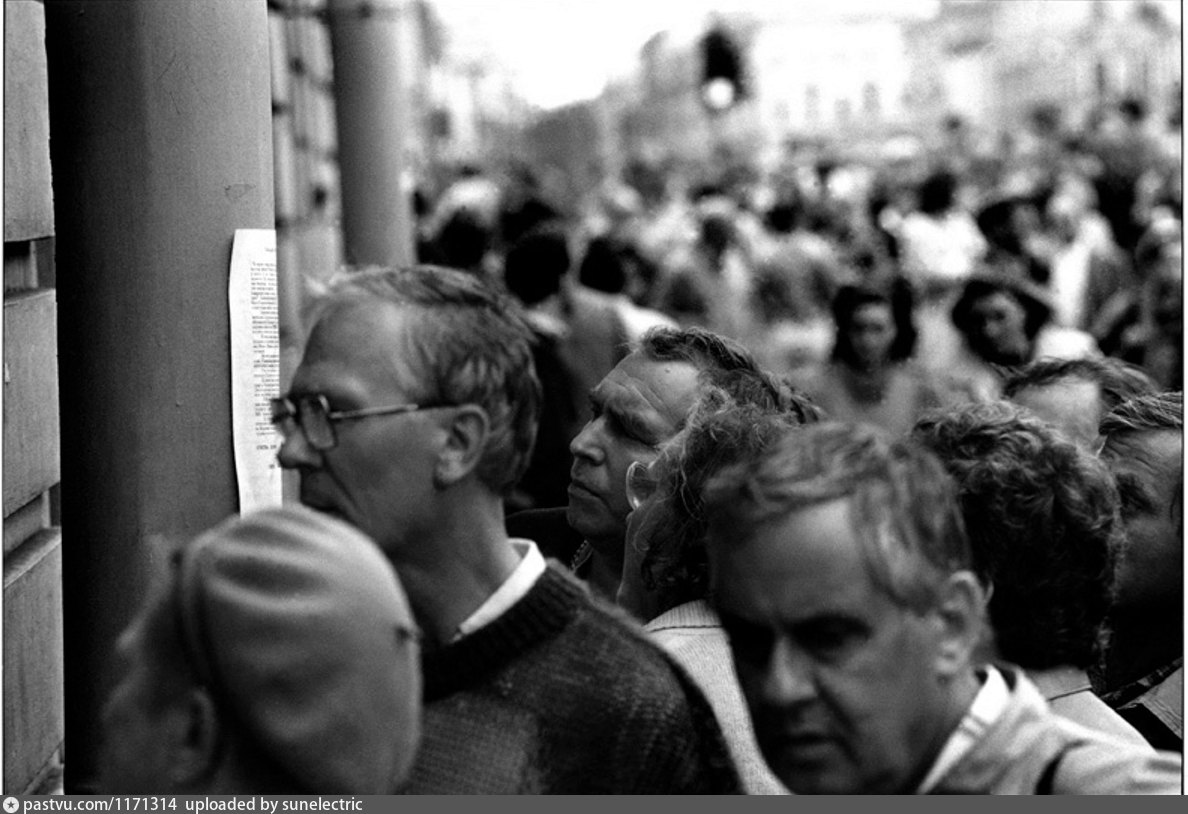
[(1042, 518), (1143, 675)]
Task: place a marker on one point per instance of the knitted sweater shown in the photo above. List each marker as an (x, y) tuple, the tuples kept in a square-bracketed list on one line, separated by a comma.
[(562, 695)]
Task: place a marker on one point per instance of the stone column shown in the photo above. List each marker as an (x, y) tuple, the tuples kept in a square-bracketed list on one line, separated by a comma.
[(161, 146), (373, 124)]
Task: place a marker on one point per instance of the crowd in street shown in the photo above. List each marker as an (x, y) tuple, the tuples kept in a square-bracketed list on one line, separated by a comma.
[(854, 475)]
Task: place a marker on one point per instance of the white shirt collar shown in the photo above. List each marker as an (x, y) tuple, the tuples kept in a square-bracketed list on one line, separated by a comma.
[(513, 589), (987, 705)]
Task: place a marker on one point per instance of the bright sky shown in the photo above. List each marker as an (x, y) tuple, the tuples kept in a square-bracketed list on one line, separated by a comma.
[(559, 51)]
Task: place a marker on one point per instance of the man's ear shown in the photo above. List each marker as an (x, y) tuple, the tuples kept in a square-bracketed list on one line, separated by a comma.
[(198, 741), (465, 441), (961, 616)]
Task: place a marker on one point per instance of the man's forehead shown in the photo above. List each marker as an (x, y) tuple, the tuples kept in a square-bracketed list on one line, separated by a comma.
[(1072, 403), (1156, 451), (354, 346), (815, 544), (372, 316), (1066, 387), (639, 384)]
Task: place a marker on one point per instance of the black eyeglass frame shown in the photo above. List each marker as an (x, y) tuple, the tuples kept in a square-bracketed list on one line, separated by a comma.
[(285, 408)]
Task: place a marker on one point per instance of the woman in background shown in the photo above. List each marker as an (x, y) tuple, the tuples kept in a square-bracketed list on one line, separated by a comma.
[(870, 377)]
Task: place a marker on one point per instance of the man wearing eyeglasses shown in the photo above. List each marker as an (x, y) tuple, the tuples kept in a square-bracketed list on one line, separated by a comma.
[(411, 415)]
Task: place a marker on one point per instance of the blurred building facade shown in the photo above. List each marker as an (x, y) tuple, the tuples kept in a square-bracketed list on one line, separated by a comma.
[(861, 81), (994, 62)]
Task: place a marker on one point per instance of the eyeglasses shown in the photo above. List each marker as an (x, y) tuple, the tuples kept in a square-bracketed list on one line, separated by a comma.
[(641, 483), (313, 415)]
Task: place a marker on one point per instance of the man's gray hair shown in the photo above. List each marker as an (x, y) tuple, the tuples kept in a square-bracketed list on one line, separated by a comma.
[(1161, 411), (903, 505), (470, 345)]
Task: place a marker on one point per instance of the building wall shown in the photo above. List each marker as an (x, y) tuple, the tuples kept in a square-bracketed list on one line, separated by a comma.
[(830, 79), (305, 166), (308, 215), (994, 61), (33, 674)]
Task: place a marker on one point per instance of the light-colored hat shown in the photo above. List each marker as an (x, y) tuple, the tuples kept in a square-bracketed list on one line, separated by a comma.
[(297, 623)]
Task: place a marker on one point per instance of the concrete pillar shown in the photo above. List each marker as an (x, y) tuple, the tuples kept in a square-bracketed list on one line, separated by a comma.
[(160, 134), (373, 125)]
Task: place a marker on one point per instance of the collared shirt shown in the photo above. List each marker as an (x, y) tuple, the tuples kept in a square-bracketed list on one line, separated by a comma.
[(989, 703), (513, 589)]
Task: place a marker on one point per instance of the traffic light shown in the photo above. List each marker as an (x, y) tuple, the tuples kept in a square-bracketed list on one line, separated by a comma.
[(722, 81)]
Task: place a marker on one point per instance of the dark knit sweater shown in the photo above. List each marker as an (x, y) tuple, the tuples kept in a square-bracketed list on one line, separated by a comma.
[(562, 695)]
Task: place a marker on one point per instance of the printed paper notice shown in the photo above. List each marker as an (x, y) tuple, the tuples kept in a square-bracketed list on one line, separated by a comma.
[(255, 366)]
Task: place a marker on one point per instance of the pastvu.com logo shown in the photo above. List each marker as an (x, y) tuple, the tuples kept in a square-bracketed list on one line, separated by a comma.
[(11, 804)]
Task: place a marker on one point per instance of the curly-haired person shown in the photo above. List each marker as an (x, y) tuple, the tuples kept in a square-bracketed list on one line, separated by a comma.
[(666, 572), (1043, 524)]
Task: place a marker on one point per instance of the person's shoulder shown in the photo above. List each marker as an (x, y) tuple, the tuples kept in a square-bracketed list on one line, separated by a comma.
[(651, 702), (616, 643), (1096, 763), (609, 653), (1031, 749), (1090, 761)]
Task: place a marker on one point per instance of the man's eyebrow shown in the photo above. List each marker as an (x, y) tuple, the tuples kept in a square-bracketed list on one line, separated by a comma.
[(633, 421), (827, 618)]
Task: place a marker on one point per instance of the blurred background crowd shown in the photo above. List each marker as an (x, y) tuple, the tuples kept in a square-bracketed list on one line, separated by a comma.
[(893, 203), (965, 204)]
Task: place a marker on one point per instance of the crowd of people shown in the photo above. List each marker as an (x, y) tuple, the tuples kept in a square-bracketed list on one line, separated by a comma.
[(845, 480)]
